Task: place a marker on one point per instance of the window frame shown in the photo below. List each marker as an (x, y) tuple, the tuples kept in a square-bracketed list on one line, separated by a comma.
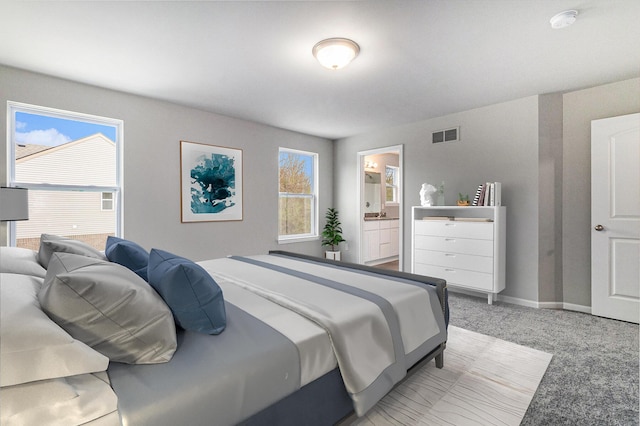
[(117, 190), (314, 234), (107, 199), (395, 186)]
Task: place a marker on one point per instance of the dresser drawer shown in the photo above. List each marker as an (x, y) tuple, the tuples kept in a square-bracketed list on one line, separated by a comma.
[(451, 228), (455, 260), (460, 277), (455, 245)]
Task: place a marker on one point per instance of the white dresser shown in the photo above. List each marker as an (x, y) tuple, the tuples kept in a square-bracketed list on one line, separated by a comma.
[(463, 245)]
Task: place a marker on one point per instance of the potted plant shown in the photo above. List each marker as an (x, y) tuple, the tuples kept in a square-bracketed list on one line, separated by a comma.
[(463, 200), (332, 234)]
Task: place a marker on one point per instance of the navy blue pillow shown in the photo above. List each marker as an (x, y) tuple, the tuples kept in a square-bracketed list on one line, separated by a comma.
[(192, 294), (129, 254)]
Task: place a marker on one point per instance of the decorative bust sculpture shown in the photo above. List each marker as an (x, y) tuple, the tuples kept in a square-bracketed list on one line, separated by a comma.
[(426, 195)]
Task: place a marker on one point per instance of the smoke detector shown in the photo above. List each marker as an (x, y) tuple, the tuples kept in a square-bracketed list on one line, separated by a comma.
[(563, 19)]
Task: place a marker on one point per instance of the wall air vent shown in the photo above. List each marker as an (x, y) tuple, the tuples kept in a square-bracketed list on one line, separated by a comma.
[(447, 135)]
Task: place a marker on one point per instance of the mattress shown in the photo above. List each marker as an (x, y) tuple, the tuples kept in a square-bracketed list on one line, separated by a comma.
[(290, 322)]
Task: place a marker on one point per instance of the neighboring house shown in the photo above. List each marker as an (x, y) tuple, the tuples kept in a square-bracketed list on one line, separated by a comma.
[(87, 161)]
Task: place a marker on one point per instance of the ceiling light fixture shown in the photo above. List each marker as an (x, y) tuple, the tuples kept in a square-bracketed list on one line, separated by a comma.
[(563, 19), (335, 53)]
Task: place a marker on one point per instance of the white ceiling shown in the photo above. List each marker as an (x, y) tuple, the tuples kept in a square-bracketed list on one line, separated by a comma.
[(252, 60)]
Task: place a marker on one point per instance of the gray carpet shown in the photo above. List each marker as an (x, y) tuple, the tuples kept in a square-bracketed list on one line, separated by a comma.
[(593, 378)]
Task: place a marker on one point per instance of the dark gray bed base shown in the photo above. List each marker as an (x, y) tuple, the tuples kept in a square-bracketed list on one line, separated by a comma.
[(322, 402), (325, 401)]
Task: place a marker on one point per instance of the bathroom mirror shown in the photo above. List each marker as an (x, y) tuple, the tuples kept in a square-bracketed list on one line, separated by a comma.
[(372, 181)]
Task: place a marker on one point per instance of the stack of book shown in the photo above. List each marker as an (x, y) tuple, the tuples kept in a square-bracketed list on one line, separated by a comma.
[(488, 194)]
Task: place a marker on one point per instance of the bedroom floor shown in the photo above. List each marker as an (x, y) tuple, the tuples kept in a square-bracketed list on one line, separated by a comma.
[(593, 378), (391, 266)]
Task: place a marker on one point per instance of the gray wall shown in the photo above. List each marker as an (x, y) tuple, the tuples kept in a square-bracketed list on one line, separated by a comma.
[(152, 134), (516, 143), (539, 148), (498, 143), (550, 198), (580, 108)]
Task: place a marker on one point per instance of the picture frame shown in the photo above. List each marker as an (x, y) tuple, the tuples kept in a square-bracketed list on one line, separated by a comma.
[(210, 183)]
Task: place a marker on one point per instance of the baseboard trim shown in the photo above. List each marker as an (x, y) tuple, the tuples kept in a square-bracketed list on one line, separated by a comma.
[(526, 302), (518, 301), (577, 308), (550, 305)]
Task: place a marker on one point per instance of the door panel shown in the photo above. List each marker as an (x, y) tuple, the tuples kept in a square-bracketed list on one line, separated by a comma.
[(615, 215), (625, 269)]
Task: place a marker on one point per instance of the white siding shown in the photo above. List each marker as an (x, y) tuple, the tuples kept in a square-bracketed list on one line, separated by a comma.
[(88, 161), (66, 213)]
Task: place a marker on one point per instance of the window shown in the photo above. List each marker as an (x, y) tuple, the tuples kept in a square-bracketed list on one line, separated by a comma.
[(107, 201), (392, 183), (298, 199), (71, 164)]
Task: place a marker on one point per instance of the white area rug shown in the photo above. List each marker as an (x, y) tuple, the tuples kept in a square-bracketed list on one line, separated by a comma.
[(485, 381)]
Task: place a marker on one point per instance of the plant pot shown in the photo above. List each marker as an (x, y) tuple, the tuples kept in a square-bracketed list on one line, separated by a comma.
[(333, 255), (463, 203)]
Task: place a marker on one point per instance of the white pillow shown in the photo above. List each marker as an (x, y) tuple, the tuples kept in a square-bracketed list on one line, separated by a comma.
[(50, 244), (32, 346), (16, 260), (108, 307)]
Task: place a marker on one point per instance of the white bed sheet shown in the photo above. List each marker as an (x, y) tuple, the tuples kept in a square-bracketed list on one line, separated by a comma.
[(74, 400), (367, 319), (313, 343)]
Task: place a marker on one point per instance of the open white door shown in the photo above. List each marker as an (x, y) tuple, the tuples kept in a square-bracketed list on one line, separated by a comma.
[(615, 217)]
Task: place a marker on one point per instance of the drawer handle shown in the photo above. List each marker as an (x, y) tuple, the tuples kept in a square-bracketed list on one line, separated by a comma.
[(450, 255), (449, 224), (451, 240), (450, 270)]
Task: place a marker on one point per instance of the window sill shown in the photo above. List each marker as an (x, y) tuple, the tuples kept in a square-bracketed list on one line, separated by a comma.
[(290, 240)]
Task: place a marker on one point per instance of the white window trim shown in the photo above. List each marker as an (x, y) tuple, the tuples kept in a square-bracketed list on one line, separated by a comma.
[(118, 205), (396, 187), (314, 234)]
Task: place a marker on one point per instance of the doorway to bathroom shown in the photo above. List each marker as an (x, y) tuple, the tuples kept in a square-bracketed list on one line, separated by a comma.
[(380, 207)]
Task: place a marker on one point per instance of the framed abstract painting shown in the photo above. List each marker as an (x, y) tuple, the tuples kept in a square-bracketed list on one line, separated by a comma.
[(210, 182)]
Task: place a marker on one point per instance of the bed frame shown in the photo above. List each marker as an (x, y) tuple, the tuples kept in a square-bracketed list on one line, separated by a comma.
[(325, 401)]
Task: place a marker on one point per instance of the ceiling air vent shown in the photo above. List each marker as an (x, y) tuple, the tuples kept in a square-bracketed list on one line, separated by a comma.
[(447, 135)]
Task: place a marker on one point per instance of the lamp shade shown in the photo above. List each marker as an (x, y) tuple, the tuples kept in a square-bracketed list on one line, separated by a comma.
[(335, 53), (14, 204)]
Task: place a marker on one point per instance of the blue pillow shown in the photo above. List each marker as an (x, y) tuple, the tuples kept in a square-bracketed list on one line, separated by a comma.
[(129, 254), (192, 294)]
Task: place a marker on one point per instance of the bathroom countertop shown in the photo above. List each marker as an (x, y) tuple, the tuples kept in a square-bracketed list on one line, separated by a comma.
[(381, 218)]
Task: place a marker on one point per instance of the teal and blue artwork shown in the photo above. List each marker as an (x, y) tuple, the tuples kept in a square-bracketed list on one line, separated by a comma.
[(211, 185)]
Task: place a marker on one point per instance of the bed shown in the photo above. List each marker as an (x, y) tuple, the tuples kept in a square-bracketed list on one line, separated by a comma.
[(105, 339)]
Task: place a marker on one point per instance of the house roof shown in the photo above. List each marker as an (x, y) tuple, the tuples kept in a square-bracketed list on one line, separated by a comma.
[(29, 149), (252, 59), (24, 152)]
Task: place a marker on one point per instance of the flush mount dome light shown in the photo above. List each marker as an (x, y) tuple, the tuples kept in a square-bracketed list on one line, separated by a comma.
[(335, 53), (563, 19)]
